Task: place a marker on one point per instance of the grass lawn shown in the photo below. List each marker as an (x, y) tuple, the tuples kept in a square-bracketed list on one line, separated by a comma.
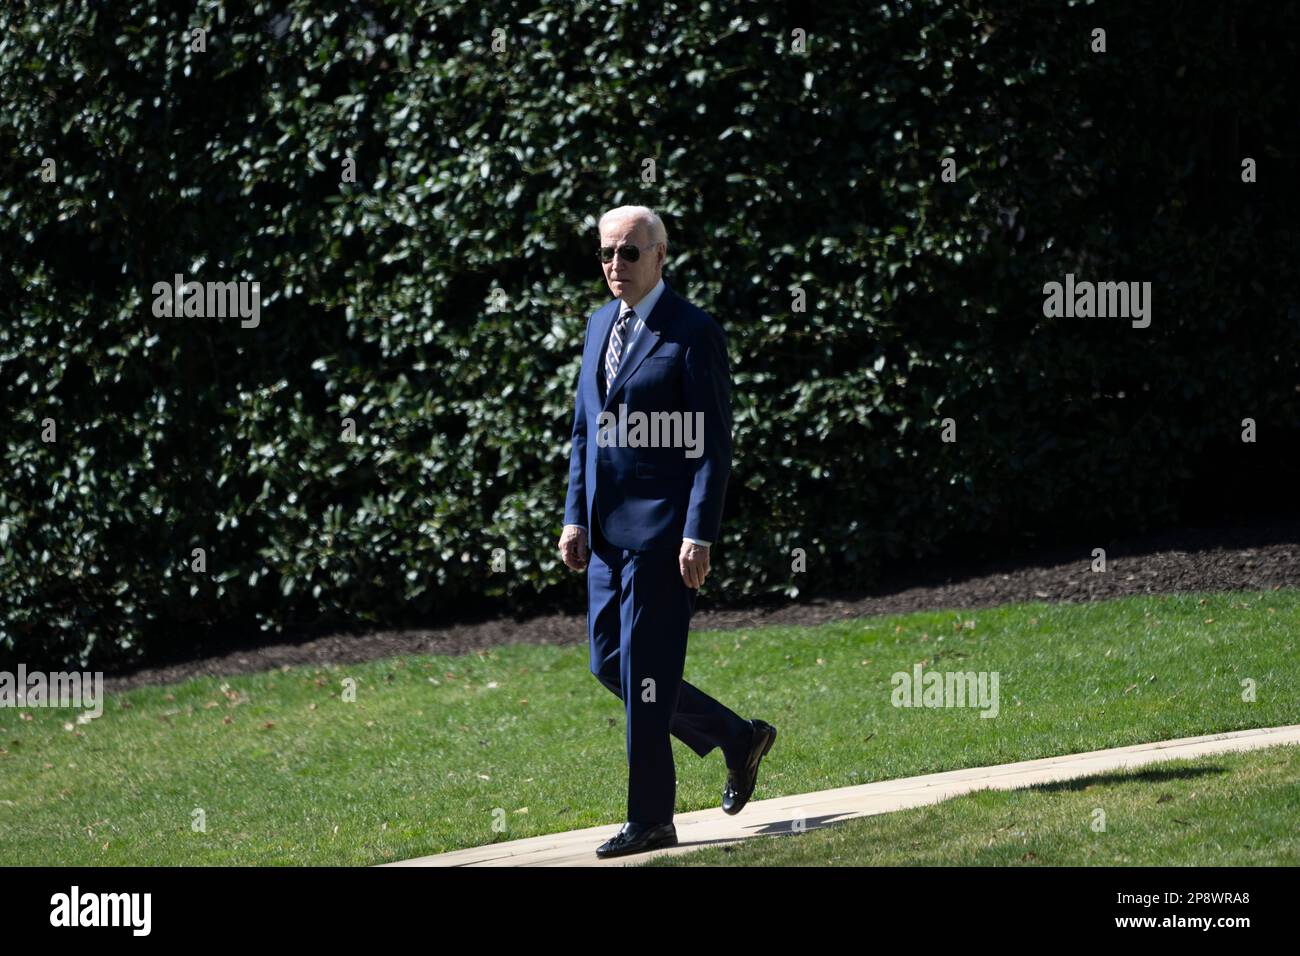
[(438, 753), (1237, 809)]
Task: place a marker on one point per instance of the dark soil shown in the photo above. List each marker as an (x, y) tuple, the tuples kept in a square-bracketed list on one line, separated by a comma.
[(1239, 558)]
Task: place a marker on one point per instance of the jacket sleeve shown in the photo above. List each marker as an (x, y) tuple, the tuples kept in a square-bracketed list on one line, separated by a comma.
[(707, 385), (575, 502)]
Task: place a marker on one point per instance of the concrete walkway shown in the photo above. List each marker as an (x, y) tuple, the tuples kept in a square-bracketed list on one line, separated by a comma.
[(780, 814)]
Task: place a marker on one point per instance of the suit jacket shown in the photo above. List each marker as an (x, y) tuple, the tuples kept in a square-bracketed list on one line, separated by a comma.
[(650, 497)]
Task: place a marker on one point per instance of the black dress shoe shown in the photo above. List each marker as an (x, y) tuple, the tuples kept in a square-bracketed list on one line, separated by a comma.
[(740, 782), (637, 838)]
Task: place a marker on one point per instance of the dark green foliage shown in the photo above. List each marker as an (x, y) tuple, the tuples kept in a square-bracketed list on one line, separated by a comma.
[(481, 171)]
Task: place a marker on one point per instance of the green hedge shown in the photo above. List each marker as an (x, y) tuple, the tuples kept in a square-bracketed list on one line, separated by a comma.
[(440, 301)]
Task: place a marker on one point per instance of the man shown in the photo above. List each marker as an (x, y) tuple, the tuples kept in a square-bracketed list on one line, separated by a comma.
[(653, 506)]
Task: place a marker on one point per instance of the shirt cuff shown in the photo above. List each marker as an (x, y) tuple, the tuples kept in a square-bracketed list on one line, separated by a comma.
[(703, 544)]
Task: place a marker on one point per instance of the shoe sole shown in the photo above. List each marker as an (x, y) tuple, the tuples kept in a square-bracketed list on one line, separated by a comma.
[(766, 747)]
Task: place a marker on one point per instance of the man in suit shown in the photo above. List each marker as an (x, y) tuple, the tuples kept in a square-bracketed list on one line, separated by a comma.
[(652, 501)]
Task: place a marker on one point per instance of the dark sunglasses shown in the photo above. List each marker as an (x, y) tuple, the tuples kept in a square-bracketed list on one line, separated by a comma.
[(629, 252)]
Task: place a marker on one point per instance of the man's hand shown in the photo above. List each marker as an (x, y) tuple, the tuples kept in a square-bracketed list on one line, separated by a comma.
[(693, 560), (573, 547)]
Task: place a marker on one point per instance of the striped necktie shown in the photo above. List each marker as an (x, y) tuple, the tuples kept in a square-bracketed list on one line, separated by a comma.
[(614, 353)]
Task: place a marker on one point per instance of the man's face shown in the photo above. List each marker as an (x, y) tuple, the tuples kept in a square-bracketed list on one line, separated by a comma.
[(630, 281)]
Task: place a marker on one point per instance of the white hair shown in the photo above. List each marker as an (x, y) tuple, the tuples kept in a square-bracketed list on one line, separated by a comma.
[(640, 214)]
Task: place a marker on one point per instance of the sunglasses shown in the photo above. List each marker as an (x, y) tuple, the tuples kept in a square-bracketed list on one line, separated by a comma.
[(629, 252)]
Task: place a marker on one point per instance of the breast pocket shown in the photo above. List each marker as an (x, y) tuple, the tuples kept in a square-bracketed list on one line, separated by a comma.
[(656, 371)]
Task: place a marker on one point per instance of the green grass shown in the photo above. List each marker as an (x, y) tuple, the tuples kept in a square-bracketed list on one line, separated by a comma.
[(1235, 809), (447, 752)]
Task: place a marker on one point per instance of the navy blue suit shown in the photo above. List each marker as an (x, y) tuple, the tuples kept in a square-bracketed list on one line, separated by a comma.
[(637, 503)]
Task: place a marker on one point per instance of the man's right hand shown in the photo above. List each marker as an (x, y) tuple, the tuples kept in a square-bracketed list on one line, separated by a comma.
[(573, 547)]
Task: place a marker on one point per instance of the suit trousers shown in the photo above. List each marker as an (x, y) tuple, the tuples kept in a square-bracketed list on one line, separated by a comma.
[(638, 614)]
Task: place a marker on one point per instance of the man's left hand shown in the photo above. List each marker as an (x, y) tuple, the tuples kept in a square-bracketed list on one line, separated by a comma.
[(693, 560)]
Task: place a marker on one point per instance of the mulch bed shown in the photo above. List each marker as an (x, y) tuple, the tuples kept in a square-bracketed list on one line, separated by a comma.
[(1234, 558)]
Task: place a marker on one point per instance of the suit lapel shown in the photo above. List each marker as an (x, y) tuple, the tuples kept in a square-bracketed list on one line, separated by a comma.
[(645, 341), (604, 319)]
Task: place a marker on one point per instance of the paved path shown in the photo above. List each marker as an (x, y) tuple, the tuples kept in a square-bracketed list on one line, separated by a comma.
[(778, 815)]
